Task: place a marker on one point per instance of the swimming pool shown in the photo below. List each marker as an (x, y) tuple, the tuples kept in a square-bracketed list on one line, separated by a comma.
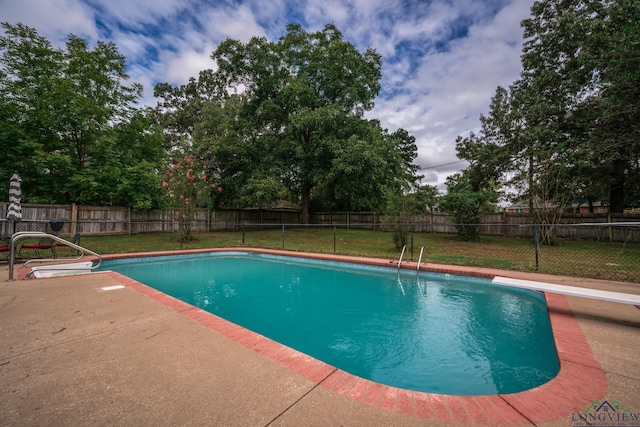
[(425, 332)]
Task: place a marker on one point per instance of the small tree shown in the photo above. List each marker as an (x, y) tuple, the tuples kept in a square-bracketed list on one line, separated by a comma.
[(401, 209), (466, 204), (399, 217), (188, 188)]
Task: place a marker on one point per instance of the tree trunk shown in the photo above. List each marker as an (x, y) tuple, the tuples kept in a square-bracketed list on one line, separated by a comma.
[(616, 189), (306, 217)]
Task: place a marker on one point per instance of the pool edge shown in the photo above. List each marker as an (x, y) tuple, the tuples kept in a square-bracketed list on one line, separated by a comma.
[(552, 401)]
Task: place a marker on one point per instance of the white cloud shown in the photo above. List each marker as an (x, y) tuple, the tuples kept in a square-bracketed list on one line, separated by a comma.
[(54, 19), (190, 50), (236, 23), (320, 13), (451, 88), (433, 23), (186, 64)]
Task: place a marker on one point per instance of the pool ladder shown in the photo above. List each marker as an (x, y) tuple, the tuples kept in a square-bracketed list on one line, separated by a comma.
[(404, 248), (423, 290)]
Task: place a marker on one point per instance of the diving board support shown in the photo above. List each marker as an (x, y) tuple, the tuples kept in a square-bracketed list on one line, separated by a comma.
[(618, 297), (404, 248)]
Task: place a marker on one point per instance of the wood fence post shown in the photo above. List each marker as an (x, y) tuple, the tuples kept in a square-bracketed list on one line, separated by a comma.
[(505, 224), (74, 218)]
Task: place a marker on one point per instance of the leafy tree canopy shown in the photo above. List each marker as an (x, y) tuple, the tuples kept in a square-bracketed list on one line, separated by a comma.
[(69, 125), (568, 130), (284, 120)]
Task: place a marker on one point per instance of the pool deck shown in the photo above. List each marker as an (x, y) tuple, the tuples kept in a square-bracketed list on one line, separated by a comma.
[(73, 353)]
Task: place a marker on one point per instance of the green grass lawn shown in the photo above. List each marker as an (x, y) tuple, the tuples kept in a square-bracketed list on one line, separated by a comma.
[(604, 260)]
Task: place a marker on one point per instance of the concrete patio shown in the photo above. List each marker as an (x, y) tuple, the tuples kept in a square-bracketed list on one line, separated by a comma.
[(73, 353)]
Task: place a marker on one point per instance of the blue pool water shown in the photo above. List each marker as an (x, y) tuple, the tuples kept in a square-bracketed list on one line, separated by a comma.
[(427, 332)]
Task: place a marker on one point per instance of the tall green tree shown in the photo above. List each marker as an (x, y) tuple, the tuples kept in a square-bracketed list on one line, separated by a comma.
[(29, 69), (586, 53), (528, 151), (65, 116), (567, 131), (548, 100), (300, 102), (611, 111)]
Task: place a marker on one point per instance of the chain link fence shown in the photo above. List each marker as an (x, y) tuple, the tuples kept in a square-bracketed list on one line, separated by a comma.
[(603, 251)]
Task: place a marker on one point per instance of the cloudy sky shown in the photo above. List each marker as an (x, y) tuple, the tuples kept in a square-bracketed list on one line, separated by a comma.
[(442, 59)]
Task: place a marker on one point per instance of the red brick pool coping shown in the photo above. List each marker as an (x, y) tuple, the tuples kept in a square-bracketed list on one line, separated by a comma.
[(579, 382)]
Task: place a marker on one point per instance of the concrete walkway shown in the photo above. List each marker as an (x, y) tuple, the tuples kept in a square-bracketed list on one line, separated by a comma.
[(72, 353)]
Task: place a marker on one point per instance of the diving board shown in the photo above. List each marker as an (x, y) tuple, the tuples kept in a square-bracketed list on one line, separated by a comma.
[(569, 290)]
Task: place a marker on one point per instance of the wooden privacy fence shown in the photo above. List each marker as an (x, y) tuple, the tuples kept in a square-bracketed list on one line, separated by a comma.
[(96, 220)]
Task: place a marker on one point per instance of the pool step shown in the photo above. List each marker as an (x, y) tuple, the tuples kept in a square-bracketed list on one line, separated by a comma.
[(56, 270)]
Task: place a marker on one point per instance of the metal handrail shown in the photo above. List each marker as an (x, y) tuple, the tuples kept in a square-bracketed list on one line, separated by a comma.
[(420, 258), (37, 234), (404, 248)]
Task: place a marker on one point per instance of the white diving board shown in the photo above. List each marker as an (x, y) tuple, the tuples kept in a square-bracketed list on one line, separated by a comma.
[(569, 290)]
